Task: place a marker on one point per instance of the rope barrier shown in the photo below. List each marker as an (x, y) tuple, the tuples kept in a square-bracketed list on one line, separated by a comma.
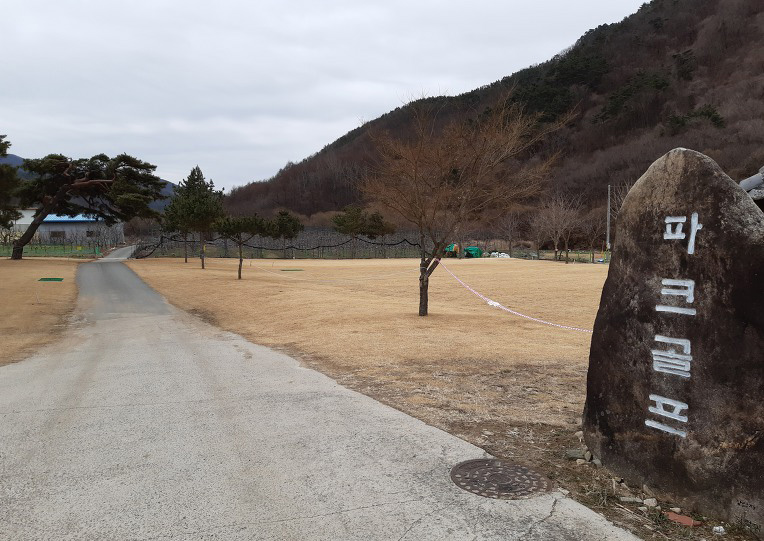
[(500, 306)]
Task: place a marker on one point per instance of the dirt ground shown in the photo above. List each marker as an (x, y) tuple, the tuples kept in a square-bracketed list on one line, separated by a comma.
[(35, 312), (509, 385)]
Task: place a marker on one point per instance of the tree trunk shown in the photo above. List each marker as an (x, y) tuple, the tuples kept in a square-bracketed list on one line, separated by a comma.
[(241, 260), (18, 250), (23, 240), (426, 268), (567, 251), (424, 283), (185, 247), (424, 278), (201, 241)]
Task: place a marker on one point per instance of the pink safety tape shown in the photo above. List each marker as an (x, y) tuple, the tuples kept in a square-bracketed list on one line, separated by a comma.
[(502, 307)]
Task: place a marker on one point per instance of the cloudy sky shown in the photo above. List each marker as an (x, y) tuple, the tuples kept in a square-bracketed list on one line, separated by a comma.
[(239, 87)]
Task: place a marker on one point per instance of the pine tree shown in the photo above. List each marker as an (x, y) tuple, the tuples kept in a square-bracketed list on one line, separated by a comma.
[(8, 184), (111, 189), (240, 230), (195, 207), (285, 226), (354, 221), (376, 227)]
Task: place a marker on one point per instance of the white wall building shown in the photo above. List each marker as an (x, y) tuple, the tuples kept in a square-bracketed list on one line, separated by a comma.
[(65, 229)]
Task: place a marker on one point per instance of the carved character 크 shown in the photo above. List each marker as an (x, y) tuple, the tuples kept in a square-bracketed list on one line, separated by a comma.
[(675, 390)]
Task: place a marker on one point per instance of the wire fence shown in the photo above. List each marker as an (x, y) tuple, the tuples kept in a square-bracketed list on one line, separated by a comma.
[(313, 243), (575, 256), (68, 249), (325, 243)]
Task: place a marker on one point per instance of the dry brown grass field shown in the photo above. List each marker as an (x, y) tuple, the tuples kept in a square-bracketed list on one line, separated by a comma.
[(357, 321), (34, 312)]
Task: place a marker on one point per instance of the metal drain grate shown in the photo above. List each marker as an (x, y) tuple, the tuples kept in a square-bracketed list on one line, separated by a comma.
[(494, 478)]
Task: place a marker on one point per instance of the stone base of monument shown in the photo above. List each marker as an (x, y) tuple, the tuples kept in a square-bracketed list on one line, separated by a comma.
[(675, 390)]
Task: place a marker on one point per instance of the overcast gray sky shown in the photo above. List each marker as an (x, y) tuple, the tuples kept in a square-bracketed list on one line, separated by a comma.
[(240, 88)]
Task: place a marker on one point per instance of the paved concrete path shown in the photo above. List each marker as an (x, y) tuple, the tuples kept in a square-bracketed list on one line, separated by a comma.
[(119, 254), (145, 423)]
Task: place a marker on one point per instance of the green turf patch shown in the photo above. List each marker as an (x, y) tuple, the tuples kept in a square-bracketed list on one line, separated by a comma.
[(50, 280)]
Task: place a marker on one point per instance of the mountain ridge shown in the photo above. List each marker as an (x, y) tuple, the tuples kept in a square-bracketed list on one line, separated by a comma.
[(675, 73)]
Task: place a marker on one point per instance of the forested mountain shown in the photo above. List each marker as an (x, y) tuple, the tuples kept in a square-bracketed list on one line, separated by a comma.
[(678, 73)]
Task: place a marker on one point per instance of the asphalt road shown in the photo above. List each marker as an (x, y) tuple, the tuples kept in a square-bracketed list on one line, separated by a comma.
[(146, 423)]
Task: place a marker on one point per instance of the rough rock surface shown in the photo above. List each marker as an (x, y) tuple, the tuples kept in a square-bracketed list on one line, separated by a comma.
[(758, 197), (675, 392)]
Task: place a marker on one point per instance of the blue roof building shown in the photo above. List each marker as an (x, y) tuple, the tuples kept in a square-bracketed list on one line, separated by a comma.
[(80, 229), (80, 218)]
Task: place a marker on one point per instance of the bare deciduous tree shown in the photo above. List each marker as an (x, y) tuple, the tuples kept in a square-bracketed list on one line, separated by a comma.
[(444, 175), (593, 228), (463, 233), (538, 229), (617, 195), (509, 226), (562, 215)]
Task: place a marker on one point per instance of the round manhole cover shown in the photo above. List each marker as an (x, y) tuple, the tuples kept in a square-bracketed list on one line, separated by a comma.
[(494, 478)]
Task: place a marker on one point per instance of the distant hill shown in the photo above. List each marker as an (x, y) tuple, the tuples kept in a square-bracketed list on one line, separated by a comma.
[(686, 73), (16, 161), (11, 159), (168, 190)]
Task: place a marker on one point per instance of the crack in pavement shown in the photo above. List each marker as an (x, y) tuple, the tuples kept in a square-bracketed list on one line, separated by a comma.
[(535, 524)]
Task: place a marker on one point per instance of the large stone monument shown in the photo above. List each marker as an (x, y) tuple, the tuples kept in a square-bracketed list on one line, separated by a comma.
[(675, 391)]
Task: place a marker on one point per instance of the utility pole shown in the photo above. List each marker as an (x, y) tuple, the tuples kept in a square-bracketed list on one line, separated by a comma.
[(607, 238)]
